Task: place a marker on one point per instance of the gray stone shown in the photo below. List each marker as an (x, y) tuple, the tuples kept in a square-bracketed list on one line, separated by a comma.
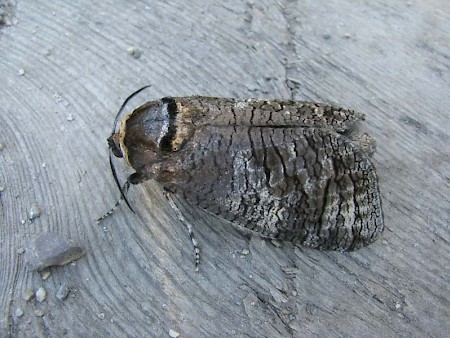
[(51, 249)]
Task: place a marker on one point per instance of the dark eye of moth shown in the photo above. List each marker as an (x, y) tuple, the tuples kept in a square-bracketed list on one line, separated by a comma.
[(289, 170)]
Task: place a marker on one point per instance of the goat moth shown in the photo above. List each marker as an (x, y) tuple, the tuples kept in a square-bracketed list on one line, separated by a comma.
[(289, 170)]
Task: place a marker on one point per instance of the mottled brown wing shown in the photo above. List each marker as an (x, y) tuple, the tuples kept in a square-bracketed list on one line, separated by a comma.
[(306, 185)]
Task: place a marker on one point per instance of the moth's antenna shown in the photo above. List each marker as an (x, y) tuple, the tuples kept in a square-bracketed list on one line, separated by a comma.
[(113, 169)]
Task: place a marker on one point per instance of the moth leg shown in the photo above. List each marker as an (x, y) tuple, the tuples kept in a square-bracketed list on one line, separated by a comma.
[(180, 216), (125, 188)]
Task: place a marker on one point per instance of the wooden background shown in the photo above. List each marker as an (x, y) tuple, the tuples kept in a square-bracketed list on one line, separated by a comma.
[(388, 59)]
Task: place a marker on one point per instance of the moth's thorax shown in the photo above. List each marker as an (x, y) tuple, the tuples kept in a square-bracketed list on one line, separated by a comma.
[(153, 134)]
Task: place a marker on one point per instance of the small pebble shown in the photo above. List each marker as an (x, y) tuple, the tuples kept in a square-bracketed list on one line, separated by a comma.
[(62, 292), (41, 294), (326, 36), (347, 36), (46, 275), (311, 308), (18, 313), (20, 251), (173, 333), (101, 316), (2, 146), (245, 252), (134, 52), (47, 52), (2, 188), (21, 72), (34, 212), (38, 313), (398, 306), (28, 295), (50, 249), (70, 117)]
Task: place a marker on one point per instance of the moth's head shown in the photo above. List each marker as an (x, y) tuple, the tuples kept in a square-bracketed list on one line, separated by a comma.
[(150, 134), (114, 145)]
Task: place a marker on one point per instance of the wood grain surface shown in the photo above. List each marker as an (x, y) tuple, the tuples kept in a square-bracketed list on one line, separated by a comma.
[(66, 67)]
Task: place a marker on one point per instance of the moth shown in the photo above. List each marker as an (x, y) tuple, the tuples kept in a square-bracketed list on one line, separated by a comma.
[(288, 170)]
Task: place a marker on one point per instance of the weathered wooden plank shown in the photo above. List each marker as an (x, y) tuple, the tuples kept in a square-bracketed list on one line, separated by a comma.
[(388, 60)]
